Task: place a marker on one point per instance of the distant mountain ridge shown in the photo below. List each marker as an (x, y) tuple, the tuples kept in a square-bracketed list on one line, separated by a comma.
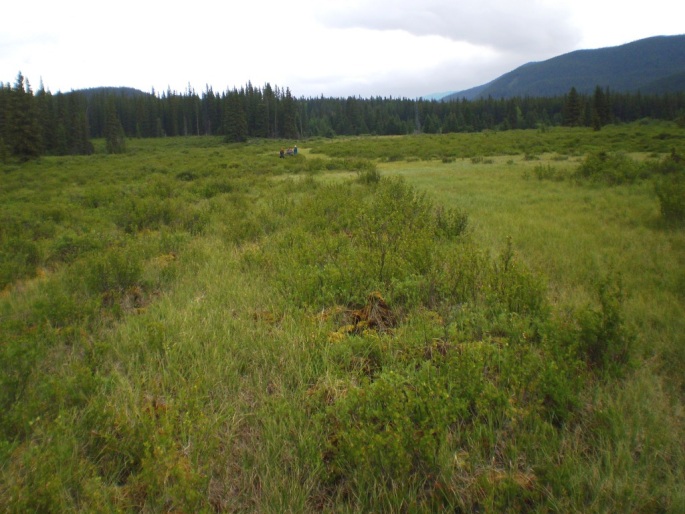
[(653, 65), (126, 92)]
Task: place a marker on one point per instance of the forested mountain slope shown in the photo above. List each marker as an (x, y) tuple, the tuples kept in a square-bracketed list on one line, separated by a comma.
[(655, 65)]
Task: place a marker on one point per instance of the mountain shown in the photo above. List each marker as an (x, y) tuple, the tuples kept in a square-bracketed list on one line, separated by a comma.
[(652, 65), (127, 92), (437, 96)]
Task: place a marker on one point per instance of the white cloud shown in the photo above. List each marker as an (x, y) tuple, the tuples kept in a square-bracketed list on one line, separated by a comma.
[(523, 26), (333, 47)]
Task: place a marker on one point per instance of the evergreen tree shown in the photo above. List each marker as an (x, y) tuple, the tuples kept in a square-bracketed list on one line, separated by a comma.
[(431, 124), (235, 119), (24, 130), (115, 140), (289, 116), (572, 113), (450, 124), (600, 108)]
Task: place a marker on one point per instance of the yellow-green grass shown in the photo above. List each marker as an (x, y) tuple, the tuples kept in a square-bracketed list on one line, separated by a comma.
[(570, 232), (195, 381)]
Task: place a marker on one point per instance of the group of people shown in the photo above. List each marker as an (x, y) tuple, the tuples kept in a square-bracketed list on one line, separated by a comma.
[(289, 151)]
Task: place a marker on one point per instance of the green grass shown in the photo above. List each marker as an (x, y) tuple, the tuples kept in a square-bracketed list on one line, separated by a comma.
[(201, 327)]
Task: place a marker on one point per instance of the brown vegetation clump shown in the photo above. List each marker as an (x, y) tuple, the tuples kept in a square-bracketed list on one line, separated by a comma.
[(375, 315)]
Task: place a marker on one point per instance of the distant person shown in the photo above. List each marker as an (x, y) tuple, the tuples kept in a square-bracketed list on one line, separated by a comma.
[(295, 150), (282, 154)]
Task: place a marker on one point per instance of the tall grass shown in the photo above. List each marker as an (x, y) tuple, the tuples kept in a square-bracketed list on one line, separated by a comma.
[(379, 324)]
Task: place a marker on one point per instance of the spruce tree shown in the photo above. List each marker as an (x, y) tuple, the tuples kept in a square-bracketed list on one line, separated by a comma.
[(572, 111), (289, 116), (235, 119), (600, 107), (115, 140), (24, 131)]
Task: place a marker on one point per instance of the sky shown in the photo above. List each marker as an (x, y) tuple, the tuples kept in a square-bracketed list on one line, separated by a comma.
[(334, 48)]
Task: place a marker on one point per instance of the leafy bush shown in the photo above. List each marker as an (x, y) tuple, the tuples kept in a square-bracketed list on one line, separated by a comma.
[(69, 246), (436, 398), (370, 176), (605, 340), (515, 287), (610, 169), (18, 259), (340, 250), (391, 428), (548, 172), (670, 188), (450, 223), (671, 193), (112, 274)]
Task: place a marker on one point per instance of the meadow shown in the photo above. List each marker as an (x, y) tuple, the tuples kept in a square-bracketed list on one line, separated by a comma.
[(431, 323)]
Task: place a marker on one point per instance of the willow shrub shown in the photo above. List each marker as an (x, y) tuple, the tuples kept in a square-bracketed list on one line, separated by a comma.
[(670, 188), (475, 354), (609, 168), (347, 240)]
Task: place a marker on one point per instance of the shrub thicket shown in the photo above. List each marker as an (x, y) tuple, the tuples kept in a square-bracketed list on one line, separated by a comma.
[(609, 168), (670, 188)]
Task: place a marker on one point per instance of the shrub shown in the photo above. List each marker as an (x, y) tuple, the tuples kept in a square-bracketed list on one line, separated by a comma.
[(69, 246), (450, 223), (113, 271), (369, 176), (605, 341), (547, 172), (515, 287), (340, 250), (391, 429), (610, 169), (18, 259), (670, 190)]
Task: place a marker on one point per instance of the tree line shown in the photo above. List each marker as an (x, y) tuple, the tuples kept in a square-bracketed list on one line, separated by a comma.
[(40, 123)]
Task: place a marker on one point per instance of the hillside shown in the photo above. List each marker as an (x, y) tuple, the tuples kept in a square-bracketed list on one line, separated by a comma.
[(654, 65), (126, 92)]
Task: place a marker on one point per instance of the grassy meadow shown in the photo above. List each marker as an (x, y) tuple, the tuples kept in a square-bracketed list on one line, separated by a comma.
[(480, 322)]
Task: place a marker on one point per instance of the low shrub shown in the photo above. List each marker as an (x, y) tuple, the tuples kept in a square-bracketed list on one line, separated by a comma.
[(548, 172), (611, 169), (19, 259), (670, 190), (450, 223), (605, 341), (69, 246), (369, 176)]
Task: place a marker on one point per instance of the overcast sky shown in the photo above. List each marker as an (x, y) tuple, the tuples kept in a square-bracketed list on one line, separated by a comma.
[(399, 48)]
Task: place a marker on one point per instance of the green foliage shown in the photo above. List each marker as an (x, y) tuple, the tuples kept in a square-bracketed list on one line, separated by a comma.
[(113, 271), (605, 339), (670, 188), (19, 258), (341, 250), (610, 169), (115, 138), (548, 172), (391, 429), (206, 327), (370, 176), (431, 405), (573, 109), (450, 222), (516, 287)]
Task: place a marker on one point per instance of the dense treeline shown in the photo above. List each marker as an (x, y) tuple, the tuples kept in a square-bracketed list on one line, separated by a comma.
[(33, 124)]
